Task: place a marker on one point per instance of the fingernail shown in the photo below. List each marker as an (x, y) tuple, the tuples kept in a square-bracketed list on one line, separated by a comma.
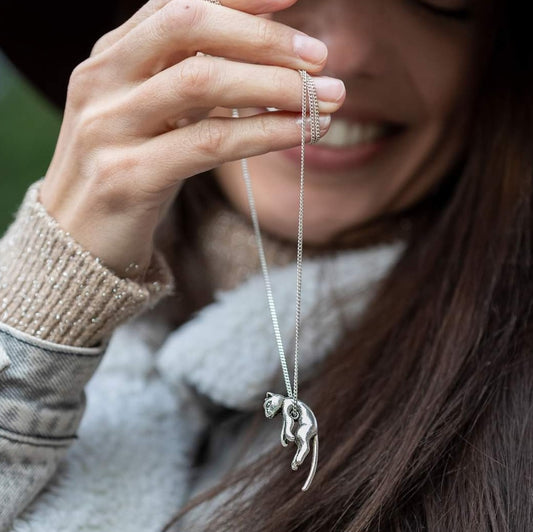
[(324, 120), (329, 89), (309, 49)]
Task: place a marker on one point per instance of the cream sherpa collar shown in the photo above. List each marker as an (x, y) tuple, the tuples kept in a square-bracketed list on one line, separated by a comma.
[(227, 351)]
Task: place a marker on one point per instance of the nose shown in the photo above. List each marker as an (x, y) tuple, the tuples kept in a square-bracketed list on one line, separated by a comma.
[(351, 29)]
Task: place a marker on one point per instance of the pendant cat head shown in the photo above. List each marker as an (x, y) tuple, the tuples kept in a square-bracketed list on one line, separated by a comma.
[(272, 404)]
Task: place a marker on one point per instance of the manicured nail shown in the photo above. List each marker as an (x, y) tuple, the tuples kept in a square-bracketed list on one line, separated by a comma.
[(324, 120), (329, 89), (309, 49)]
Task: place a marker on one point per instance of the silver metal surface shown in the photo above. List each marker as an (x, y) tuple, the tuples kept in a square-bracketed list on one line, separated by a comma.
[(309, 101), (299, 426)]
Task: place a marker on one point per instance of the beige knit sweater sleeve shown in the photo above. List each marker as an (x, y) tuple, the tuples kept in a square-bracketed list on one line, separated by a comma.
[(54, 289)]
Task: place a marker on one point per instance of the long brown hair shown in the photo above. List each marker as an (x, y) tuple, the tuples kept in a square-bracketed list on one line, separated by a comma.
[(426, 408)]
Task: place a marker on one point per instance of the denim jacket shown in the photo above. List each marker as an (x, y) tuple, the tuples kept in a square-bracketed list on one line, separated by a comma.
[(42, 401)]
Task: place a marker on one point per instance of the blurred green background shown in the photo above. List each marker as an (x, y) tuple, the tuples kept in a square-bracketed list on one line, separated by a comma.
[(29, 126)]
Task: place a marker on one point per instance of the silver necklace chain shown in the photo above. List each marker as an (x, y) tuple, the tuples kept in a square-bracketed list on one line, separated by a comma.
[(306, 435), (309, 102), (309, 105)]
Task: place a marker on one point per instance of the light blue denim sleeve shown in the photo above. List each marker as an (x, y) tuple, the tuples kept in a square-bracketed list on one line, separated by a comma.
[(42, 401)]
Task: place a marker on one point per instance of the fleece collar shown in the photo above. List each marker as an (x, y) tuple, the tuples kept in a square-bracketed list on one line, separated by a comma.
[(228, 353)]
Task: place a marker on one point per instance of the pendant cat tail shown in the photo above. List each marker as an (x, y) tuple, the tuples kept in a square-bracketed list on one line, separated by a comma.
[(299, 426), (314, 463)]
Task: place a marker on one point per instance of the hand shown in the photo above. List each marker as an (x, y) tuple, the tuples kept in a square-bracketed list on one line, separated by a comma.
[(137, 120)]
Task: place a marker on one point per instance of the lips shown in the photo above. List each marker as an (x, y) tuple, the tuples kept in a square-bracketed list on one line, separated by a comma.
[(324, 158), (359, 115), (355, 137)]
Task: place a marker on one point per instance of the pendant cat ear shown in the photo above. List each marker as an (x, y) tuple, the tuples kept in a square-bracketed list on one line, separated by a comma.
[(269, 394)]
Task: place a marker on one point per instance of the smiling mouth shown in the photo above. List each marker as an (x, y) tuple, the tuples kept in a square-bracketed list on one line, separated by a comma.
[(348, 146), (345, 133)]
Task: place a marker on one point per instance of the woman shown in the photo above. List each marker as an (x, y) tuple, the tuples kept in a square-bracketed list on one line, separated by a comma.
[(424, 400)]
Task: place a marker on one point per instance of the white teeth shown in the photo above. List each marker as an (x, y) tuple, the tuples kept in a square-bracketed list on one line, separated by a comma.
[(343, 133)]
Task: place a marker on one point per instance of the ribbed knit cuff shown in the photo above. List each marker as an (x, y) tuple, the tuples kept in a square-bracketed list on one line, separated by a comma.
[(54, 289)]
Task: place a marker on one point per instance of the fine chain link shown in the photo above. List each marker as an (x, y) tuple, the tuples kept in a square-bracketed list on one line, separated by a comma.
[(308, 93), (309, 103)]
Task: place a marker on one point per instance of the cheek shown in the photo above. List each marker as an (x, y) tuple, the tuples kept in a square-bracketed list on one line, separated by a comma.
[(438, 65), (436, 75)]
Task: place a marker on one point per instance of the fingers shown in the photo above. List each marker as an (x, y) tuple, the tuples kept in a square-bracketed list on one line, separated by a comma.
[(199, 147), (181, 28), (256, 7), (148, 9), (115, 35), (201, 83)]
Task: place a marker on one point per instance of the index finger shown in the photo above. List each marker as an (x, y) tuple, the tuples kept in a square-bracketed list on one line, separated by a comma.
[(254, 7), (184, 27)]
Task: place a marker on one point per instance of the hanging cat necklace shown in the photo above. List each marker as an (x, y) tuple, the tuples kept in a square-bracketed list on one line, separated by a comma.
[(299, 422)]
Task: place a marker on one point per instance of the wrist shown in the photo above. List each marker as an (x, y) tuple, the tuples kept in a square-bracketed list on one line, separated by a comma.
[(52, 288)]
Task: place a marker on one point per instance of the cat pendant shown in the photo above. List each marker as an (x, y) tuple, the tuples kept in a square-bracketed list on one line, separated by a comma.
[(305, 435)]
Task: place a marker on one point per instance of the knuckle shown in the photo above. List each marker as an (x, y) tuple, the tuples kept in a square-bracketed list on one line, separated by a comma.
[(104, 169), (267, 131), (266, 33), (179, 13), (281, 81), (114, 174), (90, 124), (98, 125), (102, 123), (78, 78), (194, 75), (100, 45), (82, 82), (211, 138)]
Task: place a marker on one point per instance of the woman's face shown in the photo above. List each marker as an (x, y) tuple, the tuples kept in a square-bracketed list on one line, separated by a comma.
[(402, 63)]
